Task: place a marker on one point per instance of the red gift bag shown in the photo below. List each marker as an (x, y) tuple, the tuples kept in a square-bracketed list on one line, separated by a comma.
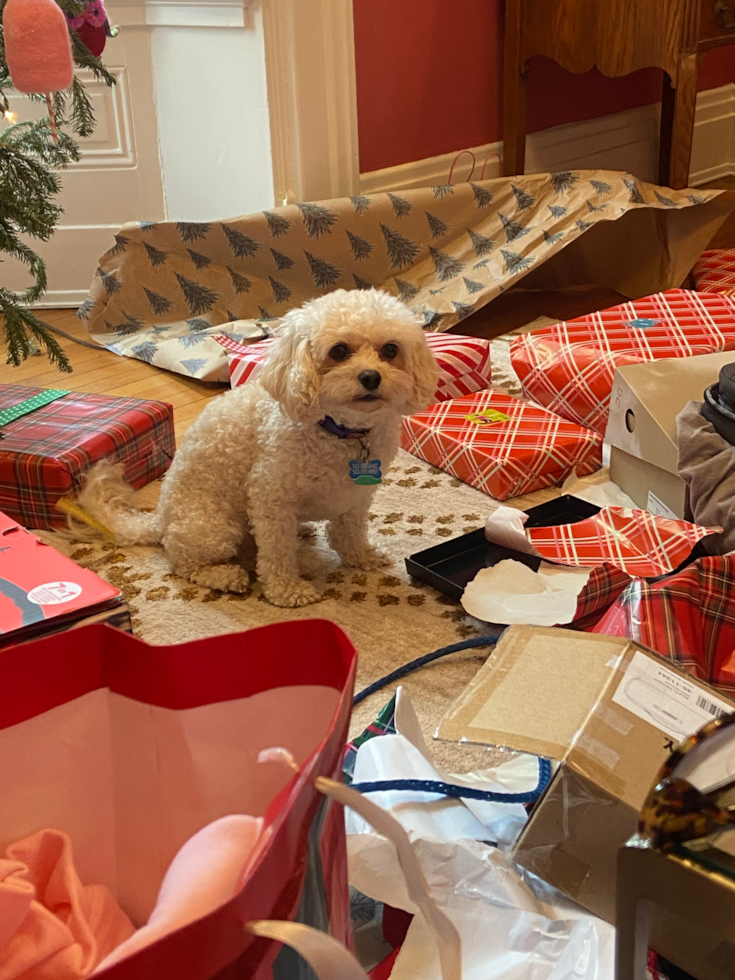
[(131, 749)]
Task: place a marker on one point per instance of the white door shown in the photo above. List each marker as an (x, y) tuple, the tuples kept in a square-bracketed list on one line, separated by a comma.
[(183, 135)]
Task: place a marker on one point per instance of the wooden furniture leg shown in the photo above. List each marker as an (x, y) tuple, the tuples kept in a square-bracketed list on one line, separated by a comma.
[(514, 125), (677, 124), (666, 133), (514, 94)]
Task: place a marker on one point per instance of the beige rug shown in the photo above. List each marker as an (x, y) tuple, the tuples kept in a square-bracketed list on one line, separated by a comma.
[(389, 617)]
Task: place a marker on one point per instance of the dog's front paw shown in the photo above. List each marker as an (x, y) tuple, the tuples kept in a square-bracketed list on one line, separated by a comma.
[(368, 560), (224, 578), (291, 593)]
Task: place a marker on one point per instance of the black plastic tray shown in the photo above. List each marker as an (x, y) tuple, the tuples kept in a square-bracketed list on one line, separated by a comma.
[(449, 566)]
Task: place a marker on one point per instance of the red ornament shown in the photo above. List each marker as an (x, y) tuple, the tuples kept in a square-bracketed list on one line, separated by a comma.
[(95, 38)]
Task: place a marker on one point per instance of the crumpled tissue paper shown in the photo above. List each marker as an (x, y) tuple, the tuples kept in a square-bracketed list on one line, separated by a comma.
[(512, 925)]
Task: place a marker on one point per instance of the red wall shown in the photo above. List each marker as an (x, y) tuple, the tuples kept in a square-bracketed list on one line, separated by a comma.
[(429, 80)]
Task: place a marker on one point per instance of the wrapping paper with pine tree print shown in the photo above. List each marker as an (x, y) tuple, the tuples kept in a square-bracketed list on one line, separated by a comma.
[(163, 290), (569, 367), (500, 444)]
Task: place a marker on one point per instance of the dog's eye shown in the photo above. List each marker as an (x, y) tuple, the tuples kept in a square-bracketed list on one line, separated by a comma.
[(389, 351), (340, 352)]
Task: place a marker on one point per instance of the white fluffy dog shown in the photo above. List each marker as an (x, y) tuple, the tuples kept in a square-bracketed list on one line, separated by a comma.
[(280, 450)]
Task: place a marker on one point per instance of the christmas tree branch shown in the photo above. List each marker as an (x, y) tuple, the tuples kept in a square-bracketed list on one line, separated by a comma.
[(83, 58), (29, 182), (25, 334)]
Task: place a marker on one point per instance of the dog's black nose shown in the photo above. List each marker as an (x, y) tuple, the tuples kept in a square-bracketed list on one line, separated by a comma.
[(369, 379)]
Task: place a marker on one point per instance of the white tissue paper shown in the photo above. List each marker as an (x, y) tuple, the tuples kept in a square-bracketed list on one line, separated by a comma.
[(510, 593), (405, 756), (506, 526), (512, 925)]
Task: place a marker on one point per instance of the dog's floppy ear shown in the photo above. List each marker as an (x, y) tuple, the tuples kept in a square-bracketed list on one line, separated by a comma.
[(425, 373), (289, 373)]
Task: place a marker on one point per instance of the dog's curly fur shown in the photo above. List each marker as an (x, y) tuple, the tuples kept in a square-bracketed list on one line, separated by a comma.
[(256, 463)]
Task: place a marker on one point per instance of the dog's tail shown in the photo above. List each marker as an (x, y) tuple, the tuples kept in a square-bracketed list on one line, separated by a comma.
[(109, 499)]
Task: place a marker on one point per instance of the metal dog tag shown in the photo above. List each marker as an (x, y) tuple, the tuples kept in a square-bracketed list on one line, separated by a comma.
[(365, 471)]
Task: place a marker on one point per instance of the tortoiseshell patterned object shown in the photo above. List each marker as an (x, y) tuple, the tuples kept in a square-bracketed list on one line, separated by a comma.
[(675, 811)]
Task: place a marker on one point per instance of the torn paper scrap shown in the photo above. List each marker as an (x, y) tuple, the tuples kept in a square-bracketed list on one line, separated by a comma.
[(635, 541), (506, 526), (510, 593)]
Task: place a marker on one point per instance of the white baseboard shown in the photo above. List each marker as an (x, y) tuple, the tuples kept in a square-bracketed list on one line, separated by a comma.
[(623, 141), (71, 256), (58, 299)]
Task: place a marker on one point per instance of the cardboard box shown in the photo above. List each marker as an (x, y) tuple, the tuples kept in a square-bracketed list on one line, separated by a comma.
[(500, 444), (609, 711), (43, 591), (641, 427)]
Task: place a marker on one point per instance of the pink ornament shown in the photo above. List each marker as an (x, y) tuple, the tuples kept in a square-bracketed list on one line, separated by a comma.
[(37, 46), (74, 22), (95, 13)]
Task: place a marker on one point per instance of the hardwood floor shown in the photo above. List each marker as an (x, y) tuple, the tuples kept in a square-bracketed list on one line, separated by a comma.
[(103, 372)]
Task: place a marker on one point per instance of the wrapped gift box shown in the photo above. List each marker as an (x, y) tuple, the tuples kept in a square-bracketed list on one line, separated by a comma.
[(501, 445), (464, 362), (43, 591), (688, 617), (569, 367), (44, 452), (714, 271)]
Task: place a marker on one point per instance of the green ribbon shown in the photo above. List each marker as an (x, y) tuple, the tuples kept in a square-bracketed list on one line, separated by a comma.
[(29, 405)]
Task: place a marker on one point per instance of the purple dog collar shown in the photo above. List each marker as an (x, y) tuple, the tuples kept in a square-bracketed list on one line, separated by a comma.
[(341, 431)]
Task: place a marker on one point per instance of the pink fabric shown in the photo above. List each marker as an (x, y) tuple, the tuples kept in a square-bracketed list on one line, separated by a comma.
[(203, 875), (52, 927), (37, 46)]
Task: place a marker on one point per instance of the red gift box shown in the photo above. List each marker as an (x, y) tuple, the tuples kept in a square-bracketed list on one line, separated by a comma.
[(500, 444), (569, 367), (464, 362), (44, 453), (714, 271)]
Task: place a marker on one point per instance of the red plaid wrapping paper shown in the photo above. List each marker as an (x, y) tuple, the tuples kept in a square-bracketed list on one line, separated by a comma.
[(714, 271), (634, 541), (569, 367), (689, 617), (43, 454), (603, 587), (524, 449), (464, 362)]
